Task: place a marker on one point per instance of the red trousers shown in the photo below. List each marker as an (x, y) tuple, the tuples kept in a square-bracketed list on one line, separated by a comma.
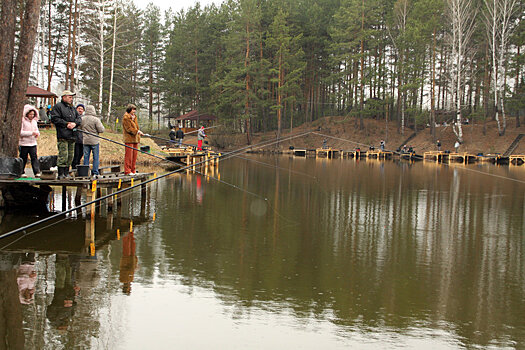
[(199, 145), (130, 158)]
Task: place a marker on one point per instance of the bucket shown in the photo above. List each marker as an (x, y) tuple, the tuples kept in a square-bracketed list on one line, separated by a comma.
[(82, 170), (144, 149)]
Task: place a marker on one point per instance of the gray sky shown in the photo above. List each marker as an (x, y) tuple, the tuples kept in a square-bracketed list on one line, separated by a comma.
[(175, 5)]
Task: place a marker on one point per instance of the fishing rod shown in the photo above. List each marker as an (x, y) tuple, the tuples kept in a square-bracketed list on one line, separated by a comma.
[(171, 141), (361, 144), (210, 127), (97, 200)]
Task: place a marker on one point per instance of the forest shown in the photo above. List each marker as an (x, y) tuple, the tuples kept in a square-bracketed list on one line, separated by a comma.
[(270, 65)]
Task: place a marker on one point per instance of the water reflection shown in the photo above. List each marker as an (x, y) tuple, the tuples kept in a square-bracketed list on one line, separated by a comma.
[(128, 262), (364, 254)]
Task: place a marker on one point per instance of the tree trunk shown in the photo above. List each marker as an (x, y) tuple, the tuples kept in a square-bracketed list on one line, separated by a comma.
[(14, 86), (69, 33), (247, 81), (112, 69), (279, 96), (7, 46), (433, 91), (361, 97), (101, 72), (74, 48)]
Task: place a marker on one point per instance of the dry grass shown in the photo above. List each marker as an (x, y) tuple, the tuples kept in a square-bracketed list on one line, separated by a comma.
[(110, 153)]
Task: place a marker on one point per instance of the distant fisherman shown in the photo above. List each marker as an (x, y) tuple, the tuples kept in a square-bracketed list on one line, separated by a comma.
[(200, 138)]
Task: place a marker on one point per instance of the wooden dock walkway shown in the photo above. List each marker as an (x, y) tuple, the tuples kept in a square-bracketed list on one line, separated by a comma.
[(27, 192)]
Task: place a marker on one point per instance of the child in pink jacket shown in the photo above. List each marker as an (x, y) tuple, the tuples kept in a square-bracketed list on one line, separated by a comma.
[(28, 135)]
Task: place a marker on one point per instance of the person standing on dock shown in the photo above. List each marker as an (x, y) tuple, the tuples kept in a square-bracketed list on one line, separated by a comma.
[(92, 124), (172, 136), (382, 145), (456, 146), (438, 143), (66, 118), (79, 137), (200, 138), (179, 135), (132, 133), (28, 135)]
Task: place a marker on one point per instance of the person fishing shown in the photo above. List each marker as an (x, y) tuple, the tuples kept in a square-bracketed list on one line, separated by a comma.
[(200, 138), (132, 133)]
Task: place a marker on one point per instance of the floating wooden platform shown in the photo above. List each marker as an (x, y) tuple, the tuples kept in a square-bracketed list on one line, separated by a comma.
[(517, 159), (303, 152), (327, 152), (189, 155), (379, 154)]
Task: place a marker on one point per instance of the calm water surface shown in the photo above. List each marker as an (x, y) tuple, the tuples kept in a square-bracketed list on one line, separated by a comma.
[(301, 253)]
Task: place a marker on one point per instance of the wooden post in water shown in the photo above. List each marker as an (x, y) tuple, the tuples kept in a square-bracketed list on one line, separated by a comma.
[(143, 195), (78, 195), (93, 197), (188, 164), (110, 200), (64, 198)]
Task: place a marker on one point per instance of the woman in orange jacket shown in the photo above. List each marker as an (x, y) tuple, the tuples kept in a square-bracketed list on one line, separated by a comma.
[(132, 134)]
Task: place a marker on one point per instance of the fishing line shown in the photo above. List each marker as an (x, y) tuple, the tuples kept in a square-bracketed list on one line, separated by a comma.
[(276, 167), (340, 139), (457, 166), (231, 185), (449, 165), (143, 182)]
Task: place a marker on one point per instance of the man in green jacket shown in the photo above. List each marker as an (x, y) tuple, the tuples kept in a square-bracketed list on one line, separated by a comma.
[(66, 118)]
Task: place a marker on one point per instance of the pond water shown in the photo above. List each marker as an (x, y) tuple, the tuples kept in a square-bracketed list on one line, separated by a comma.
[(282, 253)]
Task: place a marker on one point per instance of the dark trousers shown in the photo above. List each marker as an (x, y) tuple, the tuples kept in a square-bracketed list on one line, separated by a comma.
[(31, 151), (77, 157)]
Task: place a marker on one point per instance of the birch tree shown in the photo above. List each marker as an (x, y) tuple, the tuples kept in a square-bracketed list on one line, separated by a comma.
[(462, 20), (112, 68), (498, 15), (101, 18)]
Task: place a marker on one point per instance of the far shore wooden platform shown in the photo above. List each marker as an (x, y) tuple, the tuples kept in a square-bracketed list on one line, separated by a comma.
[(436, 156)]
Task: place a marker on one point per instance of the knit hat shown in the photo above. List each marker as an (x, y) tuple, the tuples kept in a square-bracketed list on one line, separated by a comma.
[(80, 105)]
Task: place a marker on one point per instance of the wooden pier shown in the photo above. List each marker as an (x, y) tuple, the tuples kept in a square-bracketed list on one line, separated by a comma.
[(464, 158), (188, 155), (517, 159), (379, 154), (327, 152), (34, 192), (438, 156)]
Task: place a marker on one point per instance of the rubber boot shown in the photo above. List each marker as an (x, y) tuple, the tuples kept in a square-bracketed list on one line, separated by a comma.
[(63, 172), (66, 173)]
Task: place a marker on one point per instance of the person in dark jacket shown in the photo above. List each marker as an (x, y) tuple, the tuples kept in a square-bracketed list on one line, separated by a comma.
[(172, 134), (179, 135), (79, 140), (66, 118)]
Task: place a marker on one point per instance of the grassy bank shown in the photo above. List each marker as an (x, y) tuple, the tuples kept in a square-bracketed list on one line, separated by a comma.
[(110, 153)]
